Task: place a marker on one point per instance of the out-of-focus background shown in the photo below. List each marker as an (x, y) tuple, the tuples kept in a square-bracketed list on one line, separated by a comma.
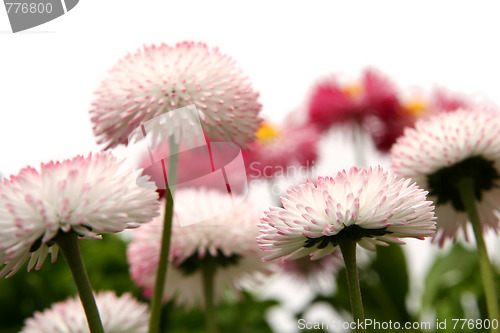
[(48, 73)]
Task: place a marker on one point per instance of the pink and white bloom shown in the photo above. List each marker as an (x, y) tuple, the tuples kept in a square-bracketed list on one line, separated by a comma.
[(276, 148), (86, 195), (442, 149), (227, 240), (371, 103), (371, 206), (159, 79), (121, 314)]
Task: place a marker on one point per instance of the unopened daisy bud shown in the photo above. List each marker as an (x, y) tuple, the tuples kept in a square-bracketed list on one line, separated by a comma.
[(369, 206), (159, 79), (85, 195), (121, 314)]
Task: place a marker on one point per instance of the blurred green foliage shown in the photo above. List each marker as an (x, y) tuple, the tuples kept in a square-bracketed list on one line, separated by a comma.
[(454, 276), (107, 267), (24, 293), (385, 284), (245, 316)]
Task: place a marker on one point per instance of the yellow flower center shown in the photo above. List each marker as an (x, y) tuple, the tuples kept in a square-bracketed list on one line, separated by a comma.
[(352, 89), (416, 107), (267, 133)]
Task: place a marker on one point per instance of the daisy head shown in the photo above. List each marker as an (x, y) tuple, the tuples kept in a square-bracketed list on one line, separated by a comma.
[(446, 148), (278, 147), (371, 103), (86, 195), (420, 103), (121, 314), (159, 79), (226, 240), (370, 206), (332, 102)]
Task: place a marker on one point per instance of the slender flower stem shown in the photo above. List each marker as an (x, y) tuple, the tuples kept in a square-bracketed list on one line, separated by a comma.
[(208, 291), (161, 274), (466, 188), (359, 149), (348, 249), (68, 242)]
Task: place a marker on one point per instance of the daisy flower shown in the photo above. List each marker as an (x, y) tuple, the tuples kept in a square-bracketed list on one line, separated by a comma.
[(158, 79), (445, 148), (227, 239), (276, 148), (372, 103), (440, 100), (370, 206), (121, 314), (86, 195)]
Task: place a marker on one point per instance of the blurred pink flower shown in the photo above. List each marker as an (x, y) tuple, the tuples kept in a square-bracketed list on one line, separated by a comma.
[(227, 240), (373, 103), (421, 104), (277, 148)]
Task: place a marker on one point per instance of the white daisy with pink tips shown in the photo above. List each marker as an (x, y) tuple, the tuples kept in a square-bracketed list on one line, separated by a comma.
[(87, 195), (158, 79), (120, 314), (371, 206), (443, 149)]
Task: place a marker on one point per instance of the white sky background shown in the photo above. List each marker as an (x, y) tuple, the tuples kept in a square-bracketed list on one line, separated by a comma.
[(48, 73), (47, 79)]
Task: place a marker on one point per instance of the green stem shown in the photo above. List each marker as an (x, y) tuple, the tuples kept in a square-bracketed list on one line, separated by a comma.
[(348, 249), (208, 267), (359, 149), (68, 242), (466, 187), (161, 274)]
